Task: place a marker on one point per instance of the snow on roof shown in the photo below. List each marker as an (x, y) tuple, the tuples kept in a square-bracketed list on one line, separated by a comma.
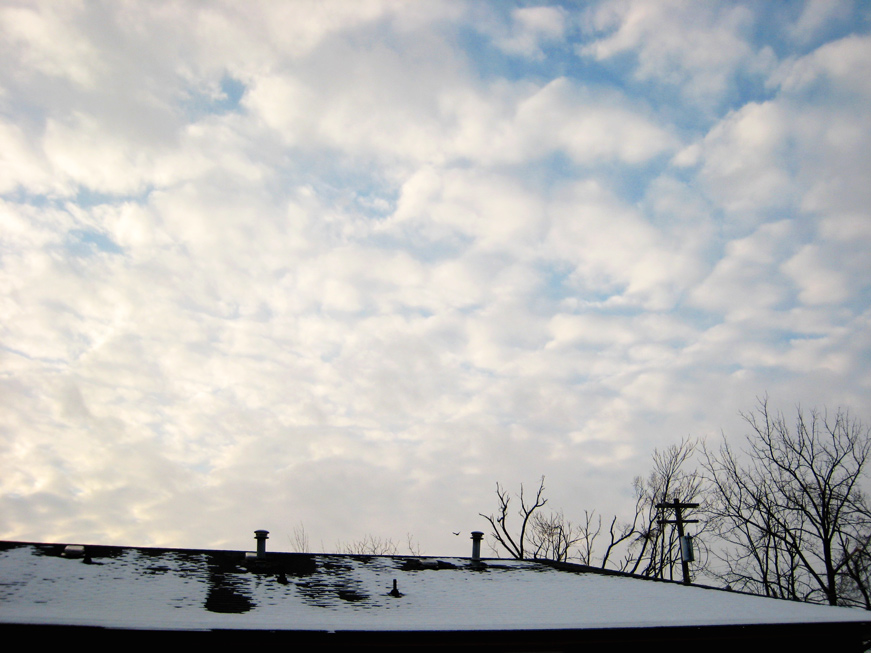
[(185, 589)]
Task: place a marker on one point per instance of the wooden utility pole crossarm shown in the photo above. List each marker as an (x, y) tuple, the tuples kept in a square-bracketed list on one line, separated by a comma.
[(677, 506)]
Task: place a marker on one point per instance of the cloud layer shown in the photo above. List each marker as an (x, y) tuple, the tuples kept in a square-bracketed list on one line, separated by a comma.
[(348, 264)]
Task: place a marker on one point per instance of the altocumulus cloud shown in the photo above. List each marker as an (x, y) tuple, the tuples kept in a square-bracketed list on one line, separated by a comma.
[(350, 263)]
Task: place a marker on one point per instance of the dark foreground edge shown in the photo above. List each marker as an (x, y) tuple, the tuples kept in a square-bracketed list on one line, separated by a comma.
[(850, 636)]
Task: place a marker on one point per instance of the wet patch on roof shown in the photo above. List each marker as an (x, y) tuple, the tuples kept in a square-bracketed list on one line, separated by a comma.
[(352, 595), (227, 595), (419, 564)]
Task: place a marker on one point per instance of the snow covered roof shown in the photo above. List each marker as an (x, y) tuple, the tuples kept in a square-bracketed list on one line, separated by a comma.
[(141, 588)]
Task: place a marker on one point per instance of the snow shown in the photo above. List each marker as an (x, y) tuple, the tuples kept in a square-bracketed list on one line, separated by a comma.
[(141, 588)]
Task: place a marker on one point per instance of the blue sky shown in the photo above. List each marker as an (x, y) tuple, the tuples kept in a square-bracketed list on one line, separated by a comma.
[(349, 264)]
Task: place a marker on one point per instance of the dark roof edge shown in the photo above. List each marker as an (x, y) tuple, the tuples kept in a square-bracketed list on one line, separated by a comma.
[(751, 637), (8, 544)]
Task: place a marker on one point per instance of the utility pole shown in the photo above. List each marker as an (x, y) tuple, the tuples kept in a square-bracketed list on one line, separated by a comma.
[(677, 506)]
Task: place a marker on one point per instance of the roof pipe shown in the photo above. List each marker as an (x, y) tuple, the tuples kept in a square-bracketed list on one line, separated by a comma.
[(477, 536), (261, 536)]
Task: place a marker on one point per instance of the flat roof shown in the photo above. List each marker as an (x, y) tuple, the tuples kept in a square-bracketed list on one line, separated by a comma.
[(141, 588)]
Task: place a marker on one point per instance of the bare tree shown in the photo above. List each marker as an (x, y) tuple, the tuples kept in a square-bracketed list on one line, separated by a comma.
[(369, 545), (854, 587), (589, 532), (618, 533), (515, 542), (643, 546), (300, 539), (375, 545), (413, 545), (553, 536), (654, 550), (790, 509), (640, 546), (586, 543)]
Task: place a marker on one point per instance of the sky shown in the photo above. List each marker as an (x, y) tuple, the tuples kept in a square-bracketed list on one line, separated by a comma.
[(344, 266)]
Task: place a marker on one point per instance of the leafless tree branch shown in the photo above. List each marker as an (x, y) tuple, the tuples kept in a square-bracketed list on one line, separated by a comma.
[(790, 510)]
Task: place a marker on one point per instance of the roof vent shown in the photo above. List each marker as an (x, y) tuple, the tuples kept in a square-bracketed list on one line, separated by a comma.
[(74, 551), (261, 537), (477, 536)]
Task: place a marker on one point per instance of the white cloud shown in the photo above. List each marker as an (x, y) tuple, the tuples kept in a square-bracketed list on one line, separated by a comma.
[(532, 26), (588, 126), (695, 47), (492, 125), (615, 251), (450, 205), (47, 38), (745, 160), (322, 262), (842, 63), (799, 155), (816, 15), (818, 283), (745, 280), (21, 163)]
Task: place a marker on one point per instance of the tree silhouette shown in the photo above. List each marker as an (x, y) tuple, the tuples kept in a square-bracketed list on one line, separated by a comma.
[(790, 510)]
